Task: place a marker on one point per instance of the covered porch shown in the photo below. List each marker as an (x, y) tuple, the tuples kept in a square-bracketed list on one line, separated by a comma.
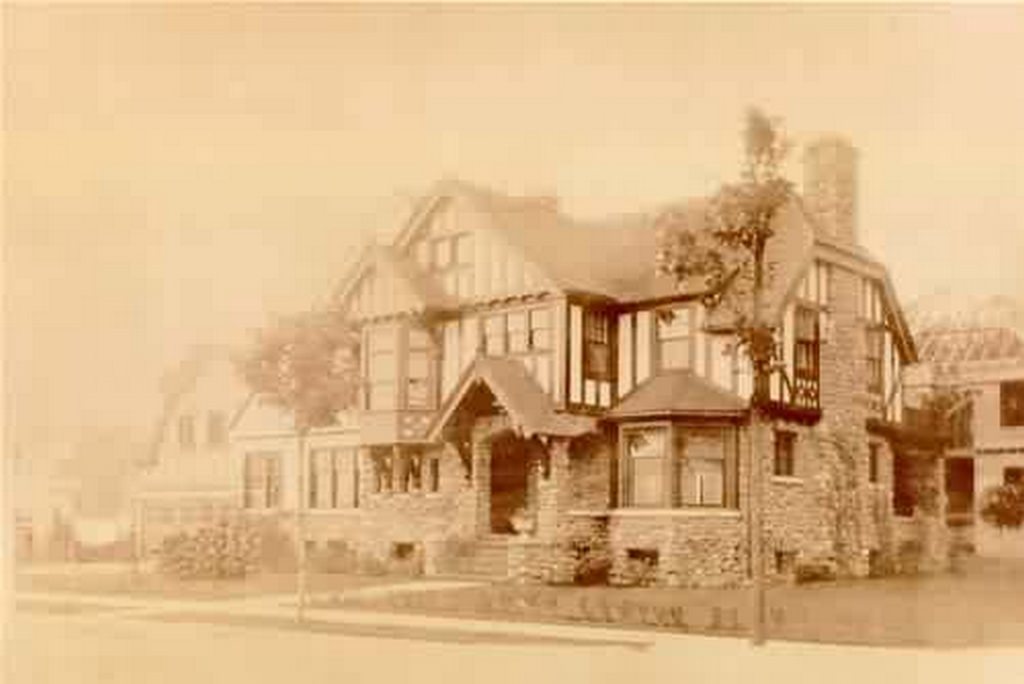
[(515, 450)]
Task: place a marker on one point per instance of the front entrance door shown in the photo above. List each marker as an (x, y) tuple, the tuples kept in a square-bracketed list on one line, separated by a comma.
[(509, 481)]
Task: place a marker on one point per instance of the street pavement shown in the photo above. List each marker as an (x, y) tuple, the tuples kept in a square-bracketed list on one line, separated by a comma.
[(71, 639)]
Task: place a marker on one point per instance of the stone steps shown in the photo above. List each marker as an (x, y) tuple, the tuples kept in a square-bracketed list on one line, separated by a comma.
[(489, 558)]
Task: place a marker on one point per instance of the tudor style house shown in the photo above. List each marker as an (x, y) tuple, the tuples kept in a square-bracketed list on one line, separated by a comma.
[(535, 391)]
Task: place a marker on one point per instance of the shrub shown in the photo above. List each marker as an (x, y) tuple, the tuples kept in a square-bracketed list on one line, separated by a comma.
[(592, 560), (336, 557), (223, 550), (909, 557), (814, 572), (641, 568), (1003, 506)]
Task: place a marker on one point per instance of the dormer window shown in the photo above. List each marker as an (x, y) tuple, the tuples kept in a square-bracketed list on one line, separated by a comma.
[(675, 334)]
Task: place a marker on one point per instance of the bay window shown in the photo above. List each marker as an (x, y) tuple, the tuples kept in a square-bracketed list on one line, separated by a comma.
[(646, 451), (700, 464), (672, 466)]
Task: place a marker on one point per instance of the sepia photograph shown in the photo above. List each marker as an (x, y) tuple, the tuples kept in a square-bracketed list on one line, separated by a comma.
[(512, 342)]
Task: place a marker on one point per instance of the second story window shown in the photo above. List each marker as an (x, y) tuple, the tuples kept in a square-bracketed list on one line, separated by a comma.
[(805, 356), (381, 370), (674, 337), (517, 332), (494, 335), (418, 394), (216, 429), (597, 359), (540, 329), (186, 433), (1011, 403), (875, 340)]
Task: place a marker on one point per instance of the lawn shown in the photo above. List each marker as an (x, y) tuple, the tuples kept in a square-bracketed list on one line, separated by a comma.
[(981, 606), (125, 582)]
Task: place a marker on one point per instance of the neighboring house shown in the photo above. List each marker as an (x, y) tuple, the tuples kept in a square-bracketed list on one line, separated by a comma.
[(979, 355), (526, 372), (191, 479)]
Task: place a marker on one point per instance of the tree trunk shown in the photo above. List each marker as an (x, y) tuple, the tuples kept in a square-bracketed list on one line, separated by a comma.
[(758, 608)]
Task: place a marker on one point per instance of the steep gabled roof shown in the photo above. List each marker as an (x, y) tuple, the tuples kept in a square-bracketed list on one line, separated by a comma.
[(678, 393), (529, 407)]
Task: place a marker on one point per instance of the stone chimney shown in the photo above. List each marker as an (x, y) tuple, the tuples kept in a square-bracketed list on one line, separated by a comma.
[(830, 186)]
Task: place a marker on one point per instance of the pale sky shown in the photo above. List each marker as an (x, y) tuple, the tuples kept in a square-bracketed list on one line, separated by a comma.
[(174, 174)]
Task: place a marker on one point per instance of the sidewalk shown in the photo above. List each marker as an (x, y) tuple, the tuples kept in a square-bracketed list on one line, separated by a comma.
[(684, 655), (283, 607)]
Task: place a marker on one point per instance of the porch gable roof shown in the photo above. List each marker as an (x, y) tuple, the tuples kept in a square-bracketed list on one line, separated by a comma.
[(529, 407), (677, 393)]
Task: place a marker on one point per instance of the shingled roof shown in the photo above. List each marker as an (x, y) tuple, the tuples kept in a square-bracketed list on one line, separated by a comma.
[(528, 406), (678, 393)]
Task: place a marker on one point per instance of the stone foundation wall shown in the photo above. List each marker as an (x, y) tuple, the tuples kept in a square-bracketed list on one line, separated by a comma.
[(694, 548)]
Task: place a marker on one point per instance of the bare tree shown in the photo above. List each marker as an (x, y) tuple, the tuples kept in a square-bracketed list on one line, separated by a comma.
[(726, 255), (307, 364)]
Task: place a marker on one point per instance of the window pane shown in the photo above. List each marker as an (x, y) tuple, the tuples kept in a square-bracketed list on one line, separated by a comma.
[(464, 249), (382, 367), (450, 283), (806, 324), (674, 325), (418, 394), (465, 285), (598, 360), (216, 429), (646, 481), (646, 443), (442, 253), (645, 452), (382, 396), (423, 254), (419, 365), (517, 331), (540, 328), (711, 475), (494, 333)]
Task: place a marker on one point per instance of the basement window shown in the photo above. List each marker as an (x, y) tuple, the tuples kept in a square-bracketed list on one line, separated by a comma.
[(402, 550)]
